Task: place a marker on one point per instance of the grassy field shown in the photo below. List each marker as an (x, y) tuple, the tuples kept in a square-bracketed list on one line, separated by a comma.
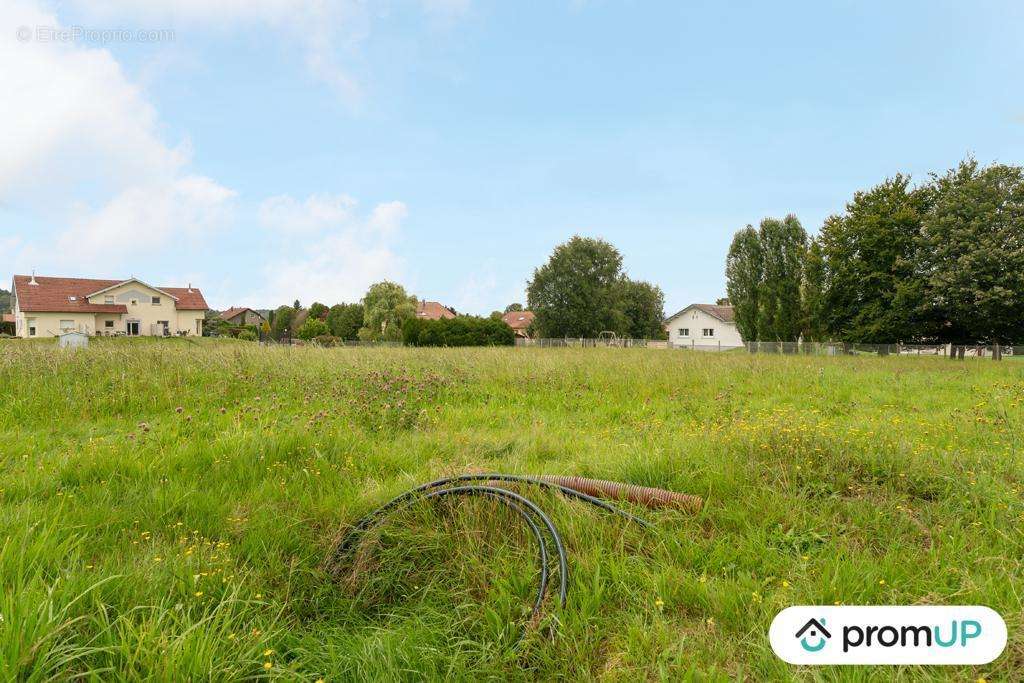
[(167, 508)]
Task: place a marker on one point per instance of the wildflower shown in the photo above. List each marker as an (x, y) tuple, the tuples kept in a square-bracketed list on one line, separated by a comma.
[(267, 665), (881, 582), (659, 603), (785, 584), (267, 653), (199, 594)]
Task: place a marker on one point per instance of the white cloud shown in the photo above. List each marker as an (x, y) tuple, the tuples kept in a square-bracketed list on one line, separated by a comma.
[(324, 29), (144, 218), (317, 212), (338, 262), (81, 146)]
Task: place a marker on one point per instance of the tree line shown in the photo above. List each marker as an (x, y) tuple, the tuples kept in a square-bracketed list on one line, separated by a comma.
[(581, 291), (938, 262)]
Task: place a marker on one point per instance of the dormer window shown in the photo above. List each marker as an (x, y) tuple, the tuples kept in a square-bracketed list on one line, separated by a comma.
[(72, 298)]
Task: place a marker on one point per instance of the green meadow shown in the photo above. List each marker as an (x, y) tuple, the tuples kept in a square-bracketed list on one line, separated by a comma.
[(167, 508)]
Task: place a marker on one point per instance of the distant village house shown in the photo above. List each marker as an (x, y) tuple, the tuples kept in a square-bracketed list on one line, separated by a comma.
[(433, 310), (520, 322), (242, 316)]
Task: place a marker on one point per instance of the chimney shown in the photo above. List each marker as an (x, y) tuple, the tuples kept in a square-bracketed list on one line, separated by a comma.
[(32, 280), (190, 288)]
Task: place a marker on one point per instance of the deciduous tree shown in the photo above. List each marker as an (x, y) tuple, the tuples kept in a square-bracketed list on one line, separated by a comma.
[(870, 254), (577, 293), (385, 307), (973, 253), (344, 320)]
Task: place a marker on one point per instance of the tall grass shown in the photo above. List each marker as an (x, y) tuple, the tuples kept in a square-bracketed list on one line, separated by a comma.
[(166, 508)]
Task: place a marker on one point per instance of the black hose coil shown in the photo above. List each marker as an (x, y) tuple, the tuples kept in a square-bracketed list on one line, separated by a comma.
[(534, 517)]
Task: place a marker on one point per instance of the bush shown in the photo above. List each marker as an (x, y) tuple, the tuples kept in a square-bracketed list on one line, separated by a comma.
[(312, 328), (327, 340), (463, 330), (247, 335)]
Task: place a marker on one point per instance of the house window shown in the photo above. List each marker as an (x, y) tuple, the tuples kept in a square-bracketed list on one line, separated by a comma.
[(709, 332), (108, 299), (31, 327), (684, 331), (156, 301), (108, 323), (135, 302), (67, 325)]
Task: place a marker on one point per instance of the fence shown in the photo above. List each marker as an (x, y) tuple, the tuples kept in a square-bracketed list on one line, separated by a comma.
[(793, 348), (844, 349), (584, 342)]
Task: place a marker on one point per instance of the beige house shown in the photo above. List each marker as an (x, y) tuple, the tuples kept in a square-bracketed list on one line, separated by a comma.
[(703, 326), (49, 306)]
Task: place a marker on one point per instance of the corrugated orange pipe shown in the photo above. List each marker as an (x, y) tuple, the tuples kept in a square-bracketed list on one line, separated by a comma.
[(642, 495)]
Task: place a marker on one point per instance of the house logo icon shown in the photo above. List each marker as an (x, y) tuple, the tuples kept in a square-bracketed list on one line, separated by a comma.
[(817, 633)]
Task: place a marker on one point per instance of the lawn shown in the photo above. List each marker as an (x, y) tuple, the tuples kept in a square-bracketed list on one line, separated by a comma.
[(167, 508)]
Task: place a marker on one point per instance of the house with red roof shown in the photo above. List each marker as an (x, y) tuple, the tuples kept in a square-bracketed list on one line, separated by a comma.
[(433, 310), (50, 306), (519, 321)]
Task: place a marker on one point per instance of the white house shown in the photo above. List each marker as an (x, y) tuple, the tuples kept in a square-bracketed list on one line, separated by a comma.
[(703, 325), (50, 306)]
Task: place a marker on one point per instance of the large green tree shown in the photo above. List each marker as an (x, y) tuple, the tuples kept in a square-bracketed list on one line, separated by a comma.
[(5, 301), (870, 256), (577, 293), (972, 247), (783, 245), (644, 307), (812, 294), (282, 325), (385, 307), (744, 270), (344, 320), (318, 310)]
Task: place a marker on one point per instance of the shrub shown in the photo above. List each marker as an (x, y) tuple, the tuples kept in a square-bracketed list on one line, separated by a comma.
[(312, 328), (247, 335), (327, 340), (463, 330)]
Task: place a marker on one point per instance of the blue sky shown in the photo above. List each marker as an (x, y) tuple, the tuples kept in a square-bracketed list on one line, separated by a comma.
[(268, 151)]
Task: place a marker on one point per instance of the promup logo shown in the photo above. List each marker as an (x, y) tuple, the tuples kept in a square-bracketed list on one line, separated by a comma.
[(888, 635), (817, 630)]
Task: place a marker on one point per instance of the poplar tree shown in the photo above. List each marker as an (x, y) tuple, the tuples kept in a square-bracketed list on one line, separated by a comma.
[(743, 274)]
